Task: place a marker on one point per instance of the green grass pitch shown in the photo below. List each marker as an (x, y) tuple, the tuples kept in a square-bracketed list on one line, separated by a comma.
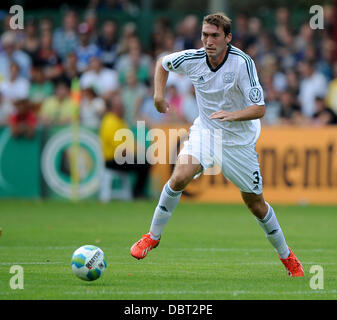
[(207, 251)]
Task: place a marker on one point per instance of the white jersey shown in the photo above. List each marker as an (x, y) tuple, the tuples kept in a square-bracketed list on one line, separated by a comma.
[(232, 86)]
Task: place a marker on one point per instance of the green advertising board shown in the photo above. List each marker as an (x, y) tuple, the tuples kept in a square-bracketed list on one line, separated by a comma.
[(19, 165), (71, 163), (61, 162)]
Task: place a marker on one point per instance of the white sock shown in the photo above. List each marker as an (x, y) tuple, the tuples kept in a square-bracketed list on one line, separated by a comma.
[(168, 201), (274, 233)]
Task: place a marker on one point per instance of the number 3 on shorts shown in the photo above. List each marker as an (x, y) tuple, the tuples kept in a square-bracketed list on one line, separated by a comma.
[(257, 177)]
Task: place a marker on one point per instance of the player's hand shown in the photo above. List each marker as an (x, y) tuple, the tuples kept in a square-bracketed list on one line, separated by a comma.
[(161, 105), (224, 116)]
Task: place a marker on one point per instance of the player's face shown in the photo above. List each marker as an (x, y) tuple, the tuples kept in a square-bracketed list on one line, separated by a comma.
[(214, 40)]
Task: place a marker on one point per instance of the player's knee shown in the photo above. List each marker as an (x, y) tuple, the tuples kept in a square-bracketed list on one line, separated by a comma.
[(179, 180), (257, 208), (177, 183)]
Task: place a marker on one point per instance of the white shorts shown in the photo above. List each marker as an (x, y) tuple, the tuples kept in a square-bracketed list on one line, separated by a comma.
[(239, 164)]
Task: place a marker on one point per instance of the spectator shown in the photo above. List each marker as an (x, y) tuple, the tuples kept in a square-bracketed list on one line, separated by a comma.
[(65, 38), (175, 100), (132, 95), (168, 43), (329, 18), (16, 87), (86, 50), (290, 111), (6, 22), (292, 81), (331, 98), (240, 33), (287, 51), (253, 52), (254, 29), (19, 36), (45, 25), (282, 23), (107, 42), (312, 84), (23, 120), (48, 58), (90, 18), (113, 150), (323, 115), (117, 5), (267, 46), (6, 109), (273, 107), (325, 64), (92, 109), (190, 106), (160, 34), (310, 52), (31, 41), (147, 111), (103, 80), (270, 64), (128, 32), (10, 53), (134, 59), (189, 34), (303, 39), (58, 109), (70, 67), (40, 87)]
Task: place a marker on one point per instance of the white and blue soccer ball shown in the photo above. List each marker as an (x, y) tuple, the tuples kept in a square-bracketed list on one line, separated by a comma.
[(88, 262)]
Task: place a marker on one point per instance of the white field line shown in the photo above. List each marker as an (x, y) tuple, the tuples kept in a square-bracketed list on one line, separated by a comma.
[(35, 248), (190, 292), (160, 264), (246, 249), (208, 292), (168, 248), (224, 263), (28, 263)]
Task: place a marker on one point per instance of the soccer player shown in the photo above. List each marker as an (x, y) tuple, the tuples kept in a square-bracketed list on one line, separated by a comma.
[(230, 99)]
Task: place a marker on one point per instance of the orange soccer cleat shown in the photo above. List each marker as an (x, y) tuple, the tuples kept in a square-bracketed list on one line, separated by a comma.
[(293, 266), (141, 248)]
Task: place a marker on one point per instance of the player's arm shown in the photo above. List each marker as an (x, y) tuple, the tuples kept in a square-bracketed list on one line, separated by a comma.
[(250, 113), (160, 80), (175, 62)]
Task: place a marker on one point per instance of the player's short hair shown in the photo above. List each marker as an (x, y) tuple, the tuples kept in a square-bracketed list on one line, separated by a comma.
[(220, 20)]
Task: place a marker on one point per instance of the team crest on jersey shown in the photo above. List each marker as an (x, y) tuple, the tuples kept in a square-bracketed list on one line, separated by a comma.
[(228, 77), (255, 95)]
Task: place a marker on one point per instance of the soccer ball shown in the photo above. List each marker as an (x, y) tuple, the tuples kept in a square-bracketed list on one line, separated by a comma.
[(88, 262)]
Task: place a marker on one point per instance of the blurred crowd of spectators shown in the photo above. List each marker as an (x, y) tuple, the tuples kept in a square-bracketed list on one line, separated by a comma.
[(39, 63)]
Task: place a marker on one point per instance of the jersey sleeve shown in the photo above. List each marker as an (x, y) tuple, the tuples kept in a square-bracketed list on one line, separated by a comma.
[(175, 62), (249, 83)]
